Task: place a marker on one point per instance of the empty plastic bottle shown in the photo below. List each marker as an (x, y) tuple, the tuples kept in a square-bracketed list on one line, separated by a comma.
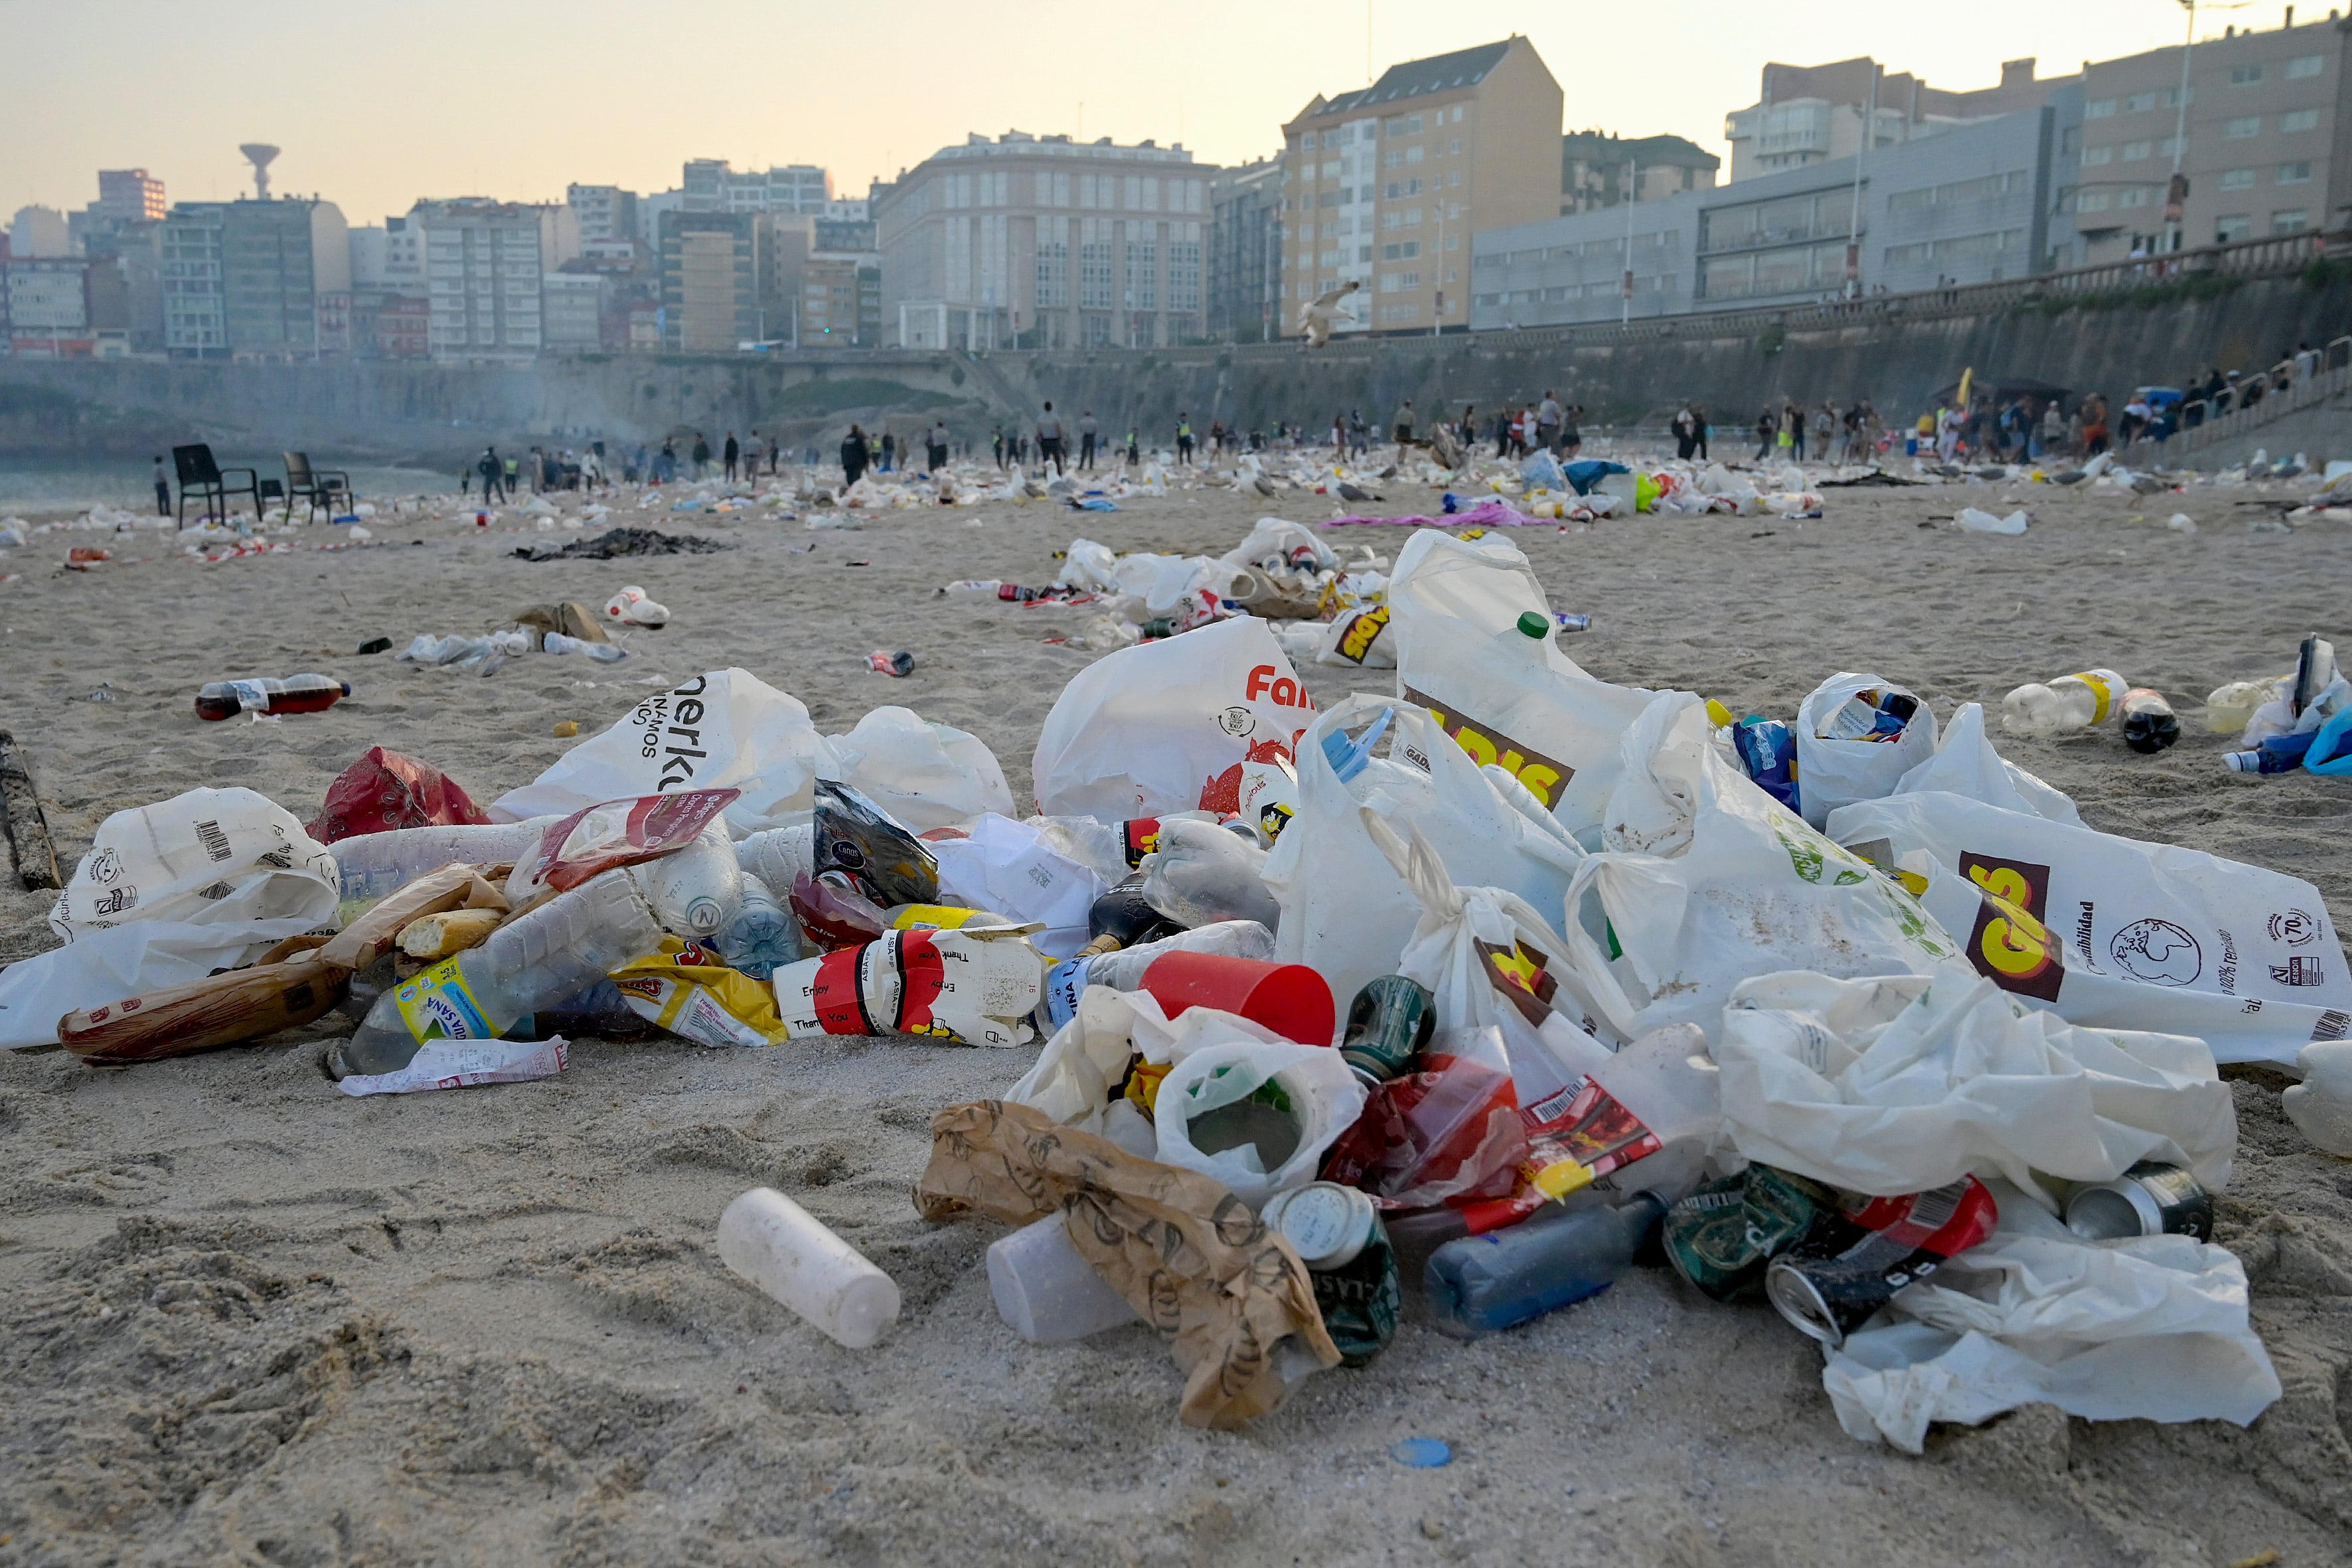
[(762, 934), (790, 1254), (1122, 970), (695, 891), (601, 652), (778, 855), (295, 694), (2278, 755), (2069, 702), (2149, 725), (555, 952), (375, 864), (1478, 1284)]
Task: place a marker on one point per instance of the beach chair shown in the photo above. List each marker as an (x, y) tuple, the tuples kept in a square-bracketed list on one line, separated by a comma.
[(211, 483), (315, 488)]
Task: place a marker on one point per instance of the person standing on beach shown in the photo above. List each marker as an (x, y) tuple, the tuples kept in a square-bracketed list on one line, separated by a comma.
[(701, 455), (1088, 432), (493, 473), (1049, 439), (996, 440), (163, 491), (732, 455), (936, 444), (853, 456), (1183, 438), (1404, 422)]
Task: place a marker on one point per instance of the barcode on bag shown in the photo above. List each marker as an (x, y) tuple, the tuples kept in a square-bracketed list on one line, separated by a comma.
[(2332, 1026), (214, 841)]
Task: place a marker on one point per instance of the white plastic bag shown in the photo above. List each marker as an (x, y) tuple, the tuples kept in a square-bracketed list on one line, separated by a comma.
[(1088, 566), (1009, 866), (1312, 1091), (206, 856), (1165, 726), (1359, 638), (1976, 521), (1966, 764), (1706, 880), (2110, 932), (1276, 541), (1832, 773), (1906, 1083), (1505, 697), (111, 965), (2152, 1328), (1202, 874), (1346, 912), (725, 729), (925, 776)]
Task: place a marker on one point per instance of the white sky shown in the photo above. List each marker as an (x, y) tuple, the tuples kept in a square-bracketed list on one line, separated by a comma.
[(376, 103)]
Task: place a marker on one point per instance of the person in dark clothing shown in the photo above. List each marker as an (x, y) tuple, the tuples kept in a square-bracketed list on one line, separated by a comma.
[(1768, 425), (701, 455), (1049, 439), (853, 456), (889, 451), (494, 474), (1088, 432), (996, 441), (1699, 412), (732, 455), (163, 492), (935, 444)]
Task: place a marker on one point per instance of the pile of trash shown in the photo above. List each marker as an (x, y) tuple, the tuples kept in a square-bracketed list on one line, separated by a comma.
[(1446, 999), (615, 543)]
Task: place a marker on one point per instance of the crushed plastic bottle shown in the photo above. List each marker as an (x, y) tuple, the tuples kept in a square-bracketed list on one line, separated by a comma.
[(694, 891), (2070, 702), (1479, 1284), (555, 952), (762, 934), (1122, 969)]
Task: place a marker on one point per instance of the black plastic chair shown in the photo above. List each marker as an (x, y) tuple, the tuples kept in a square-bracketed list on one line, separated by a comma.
[(199, 473), (315, 488)]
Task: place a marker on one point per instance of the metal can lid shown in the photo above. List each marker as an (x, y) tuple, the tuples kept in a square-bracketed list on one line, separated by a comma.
[(1327, 1223)]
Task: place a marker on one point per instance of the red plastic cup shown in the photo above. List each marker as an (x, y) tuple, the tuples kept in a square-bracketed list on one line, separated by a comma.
[(1291, 999)]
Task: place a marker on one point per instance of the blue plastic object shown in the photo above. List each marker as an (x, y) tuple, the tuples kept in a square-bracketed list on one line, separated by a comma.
[(2330, 753), (1348, 757), (1586, 472), (1423, 1453)]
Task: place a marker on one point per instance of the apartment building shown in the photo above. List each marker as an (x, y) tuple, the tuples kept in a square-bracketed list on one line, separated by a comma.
[(571, 311), (129, 195), (1601, 169), (484, 261), (841, 299), (45, 304), (604, 211), (1245, 252), (256, 279), (1385, 185), (1041, 242), (709, 185), (1969, 205), (1806, 115), (2263, 155), (709, 281)]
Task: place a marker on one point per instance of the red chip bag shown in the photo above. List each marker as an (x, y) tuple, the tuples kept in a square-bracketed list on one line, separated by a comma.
[(624, 832), (384, 790)]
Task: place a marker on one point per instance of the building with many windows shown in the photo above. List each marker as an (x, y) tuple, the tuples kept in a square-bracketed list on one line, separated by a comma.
[(45, 302), (129, 195), (2265, 119), (1043, 242), (710, 280), (257, 279), (1806, 115), (484, 261), (1968, 205), (1385, 186), (1597, 169), (710, 185), (1245, 252)]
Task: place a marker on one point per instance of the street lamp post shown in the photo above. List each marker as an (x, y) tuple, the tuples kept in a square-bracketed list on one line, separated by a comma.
[(2175, 190), (1854, 224)]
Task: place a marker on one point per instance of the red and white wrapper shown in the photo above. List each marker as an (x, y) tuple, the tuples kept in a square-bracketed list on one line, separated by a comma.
[(977, 988)]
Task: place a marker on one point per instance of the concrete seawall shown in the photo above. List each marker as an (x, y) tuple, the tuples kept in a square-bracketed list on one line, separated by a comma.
[(1900, 355)]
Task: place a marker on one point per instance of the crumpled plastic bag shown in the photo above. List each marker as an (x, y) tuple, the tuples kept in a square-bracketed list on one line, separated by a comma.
[(1278, 541), (384, 790), (106, 965), (206, 856), (926, 776), (1835, 773), (1900, 1084), (1202, 873), (725, 728), (1190, 1256), (1966, 764), (2151, 1327), (1308, 1087), (1011, 867)]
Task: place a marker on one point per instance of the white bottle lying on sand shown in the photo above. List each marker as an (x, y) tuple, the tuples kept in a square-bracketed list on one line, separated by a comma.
[(1045, 1289), (789, 1254)]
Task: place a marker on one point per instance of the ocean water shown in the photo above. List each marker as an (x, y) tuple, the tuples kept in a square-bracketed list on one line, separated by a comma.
[(49, 487)]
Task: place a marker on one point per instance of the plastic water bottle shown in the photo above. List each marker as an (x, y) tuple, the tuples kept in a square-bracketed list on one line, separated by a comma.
[(790, 1255), (2069, 702), (1122, 970), (375, 864), (295, 694), (2149, 725), (601, 652), (555, 952), (1478, 1284), (695, 891), (779, 855), (762, 934), (2278, 755)]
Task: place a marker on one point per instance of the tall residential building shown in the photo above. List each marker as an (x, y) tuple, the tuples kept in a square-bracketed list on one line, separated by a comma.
[(710, 280), (1045, 242), (841, 299), (1245, 252), (256, 279), (709, 185), (129, 195), (39, 231), (483, 266), (46, 302), (604, 212), (1810, 114), (2265, 115), (572, 311), (1595, 168), (1385, 186)]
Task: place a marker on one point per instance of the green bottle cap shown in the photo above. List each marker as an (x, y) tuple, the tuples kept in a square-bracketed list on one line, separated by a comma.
[(1533, 625)]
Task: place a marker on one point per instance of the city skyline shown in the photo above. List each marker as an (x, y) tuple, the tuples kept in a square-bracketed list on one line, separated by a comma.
[(519, 101)]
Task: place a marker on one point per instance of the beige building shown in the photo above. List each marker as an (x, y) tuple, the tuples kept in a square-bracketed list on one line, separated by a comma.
[(1810, 114), (1043, 242), (2265, 119), (1385, 186)]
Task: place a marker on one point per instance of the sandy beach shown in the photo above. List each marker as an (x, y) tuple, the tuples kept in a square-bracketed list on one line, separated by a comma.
[(245, 1319)]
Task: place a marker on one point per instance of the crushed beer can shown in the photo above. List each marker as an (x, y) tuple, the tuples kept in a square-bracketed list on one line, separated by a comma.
[(1389, 1024), (1724, 1236), (1838, 1278)]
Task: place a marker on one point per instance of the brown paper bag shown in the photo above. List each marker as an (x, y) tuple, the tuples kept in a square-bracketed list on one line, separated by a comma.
[(1189, 1256)]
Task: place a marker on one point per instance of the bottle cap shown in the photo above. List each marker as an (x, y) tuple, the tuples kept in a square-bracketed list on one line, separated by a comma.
[(1532, 624), (1327, 1223)]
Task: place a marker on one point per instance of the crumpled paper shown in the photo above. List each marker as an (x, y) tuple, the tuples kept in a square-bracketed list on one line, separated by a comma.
[(1189, 1256)]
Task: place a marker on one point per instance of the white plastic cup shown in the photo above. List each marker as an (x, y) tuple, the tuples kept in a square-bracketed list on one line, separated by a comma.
[(1045, 1289), (790, 1254)]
